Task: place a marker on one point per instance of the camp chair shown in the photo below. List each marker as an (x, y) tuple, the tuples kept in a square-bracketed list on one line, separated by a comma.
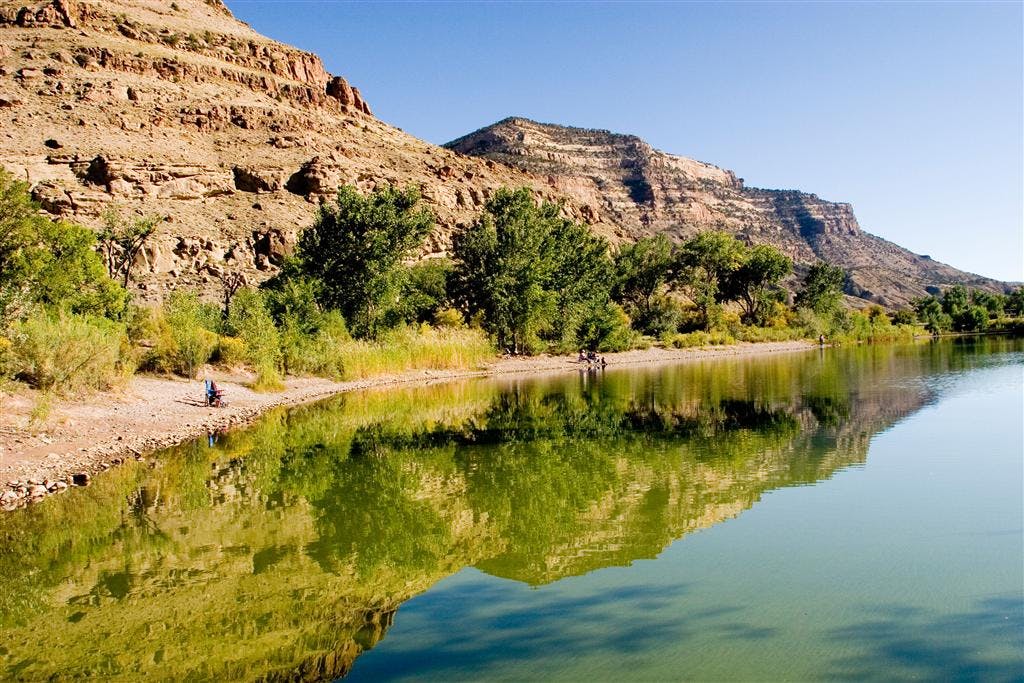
[(214, 397)]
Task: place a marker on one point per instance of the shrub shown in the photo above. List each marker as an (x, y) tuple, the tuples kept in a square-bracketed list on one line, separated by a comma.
[(67, 354), (182, 334), (230, 352), (250, 321), (608, 329), (319, 353), (449, 318), (699, 338)]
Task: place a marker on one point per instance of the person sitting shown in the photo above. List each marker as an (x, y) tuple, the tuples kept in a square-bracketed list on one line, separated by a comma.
[(214, 395)]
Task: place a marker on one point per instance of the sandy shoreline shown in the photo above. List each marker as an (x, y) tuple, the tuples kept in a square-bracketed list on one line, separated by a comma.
[(91, 435)]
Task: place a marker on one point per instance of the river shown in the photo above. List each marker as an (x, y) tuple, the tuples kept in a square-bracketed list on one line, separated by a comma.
[(819, 515)]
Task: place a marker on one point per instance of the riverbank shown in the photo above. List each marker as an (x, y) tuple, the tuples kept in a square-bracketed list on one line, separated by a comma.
[(85, 437)]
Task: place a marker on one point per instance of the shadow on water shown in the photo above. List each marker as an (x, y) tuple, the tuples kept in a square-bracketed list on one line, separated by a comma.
[(911, 643), (283, 551), (629, 621)]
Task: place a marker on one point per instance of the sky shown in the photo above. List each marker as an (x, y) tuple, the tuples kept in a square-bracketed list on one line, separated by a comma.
[(913, 112)]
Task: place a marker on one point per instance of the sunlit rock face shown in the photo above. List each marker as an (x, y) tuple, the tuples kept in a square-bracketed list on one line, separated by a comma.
[(622, 181), (185, 112)]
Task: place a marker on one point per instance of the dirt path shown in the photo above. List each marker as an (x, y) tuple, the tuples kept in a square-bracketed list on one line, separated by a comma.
[(88, 436)]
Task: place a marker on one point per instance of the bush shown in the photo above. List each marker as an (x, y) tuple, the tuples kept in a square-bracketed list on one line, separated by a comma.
[(449, 318), (249, 319), (318, 353), (230, 352), (67, 354), (608, 329), (182, 334), (666, 315), (699, 338)]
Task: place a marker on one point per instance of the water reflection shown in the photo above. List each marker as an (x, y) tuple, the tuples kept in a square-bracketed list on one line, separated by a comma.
[(284, 551)]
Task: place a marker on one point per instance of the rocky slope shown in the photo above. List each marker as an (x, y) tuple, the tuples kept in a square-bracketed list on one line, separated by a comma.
[(180, 110), (624, 181)]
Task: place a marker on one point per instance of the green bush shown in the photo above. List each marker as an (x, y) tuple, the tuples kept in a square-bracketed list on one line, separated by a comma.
[(608, 329), (230, 352), (449, 318), (319, 353), (249, 319), (181, 335), (699, 338), (66, 354)]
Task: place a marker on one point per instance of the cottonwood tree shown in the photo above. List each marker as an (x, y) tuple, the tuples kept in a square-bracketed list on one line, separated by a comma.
[(528, 274), (754, 284), (642, 270), (355, 249), (704, 263), (822, 288)]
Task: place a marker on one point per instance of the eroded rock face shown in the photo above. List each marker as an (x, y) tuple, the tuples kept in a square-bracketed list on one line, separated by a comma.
[(190, 115), (623, 180)]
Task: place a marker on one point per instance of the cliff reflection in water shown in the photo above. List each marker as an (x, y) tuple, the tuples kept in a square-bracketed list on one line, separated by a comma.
[(284, 551)]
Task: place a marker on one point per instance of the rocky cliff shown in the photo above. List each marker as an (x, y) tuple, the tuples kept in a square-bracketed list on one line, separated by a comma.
[(623, 181), (180, 110)]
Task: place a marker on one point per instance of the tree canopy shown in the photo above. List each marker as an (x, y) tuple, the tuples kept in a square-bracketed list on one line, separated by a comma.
[(355, 249), (527, 273)]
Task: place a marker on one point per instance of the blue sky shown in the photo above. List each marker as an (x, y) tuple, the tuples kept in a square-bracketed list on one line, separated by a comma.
[(910, 111)]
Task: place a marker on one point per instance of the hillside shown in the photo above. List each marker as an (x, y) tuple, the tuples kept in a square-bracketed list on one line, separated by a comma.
[(180, 110), (624, 181), (190, 114)]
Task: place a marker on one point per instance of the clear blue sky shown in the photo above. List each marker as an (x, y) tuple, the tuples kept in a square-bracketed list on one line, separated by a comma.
[(911, 111)]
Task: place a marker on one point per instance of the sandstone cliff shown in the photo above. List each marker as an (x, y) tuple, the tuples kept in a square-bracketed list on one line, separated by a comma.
[(622, 180), (179, 110)]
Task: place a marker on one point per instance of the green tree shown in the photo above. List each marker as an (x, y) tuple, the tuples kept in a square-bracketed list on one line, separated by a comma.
[(250, 320), (929, 311), (704, 264), (581, 274), (955, 300), (49, 263), (425, 289), (755, 283), (527, 273), (642, 270), (1015, 302), (121, 241), (822, 288), (995, 304), (355, 250)]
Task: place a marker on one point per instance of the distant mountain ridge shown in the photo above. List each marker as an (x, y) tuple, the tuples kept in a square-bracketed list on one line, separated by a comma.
[(626, 182), (180, 110)]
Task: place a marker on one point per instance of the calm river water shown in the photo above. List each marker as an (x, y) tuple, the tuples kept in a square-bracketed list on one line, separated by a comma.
[(831, 514)]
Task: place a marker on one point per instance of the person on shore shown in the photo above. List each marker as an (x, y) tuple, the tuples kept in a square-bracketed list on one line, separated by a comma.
[(214, 395), (582, 358)]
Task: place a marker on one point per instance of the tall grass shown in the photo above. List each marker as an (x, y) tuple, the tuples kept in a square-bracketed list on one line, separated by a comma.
[(67, 354), (414, 348)]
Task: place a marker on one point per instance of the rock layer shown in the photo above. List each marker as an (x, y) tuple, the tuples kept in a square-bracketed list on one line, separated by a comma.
[(624, 181), (179, 110)]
